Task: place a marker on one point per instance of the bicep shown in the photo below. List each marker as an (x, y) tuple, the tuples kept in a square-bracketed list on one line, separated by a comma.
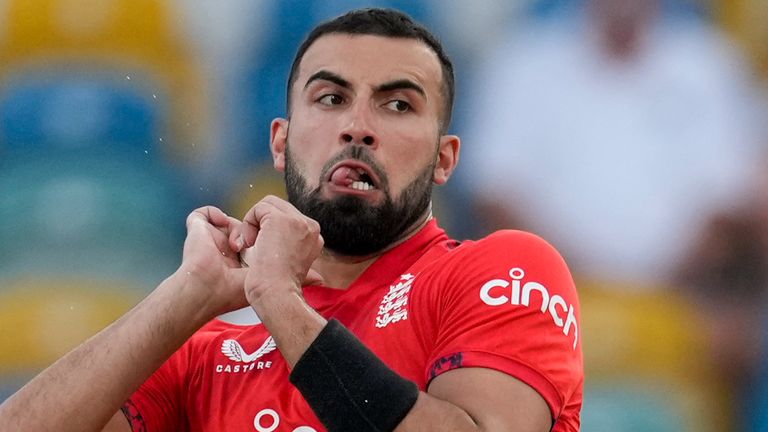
[(118, 423), (494, 400)]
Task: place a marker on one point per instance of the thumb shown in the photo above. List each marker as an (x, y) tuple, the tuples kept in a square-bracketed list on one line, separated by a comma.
[(313, 278)]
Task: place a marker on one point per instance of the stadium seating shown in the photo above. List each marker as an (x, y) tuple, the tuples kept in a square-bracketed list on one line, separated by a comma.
[(43, 318), (646, 363), (73, 72), (90, 213)]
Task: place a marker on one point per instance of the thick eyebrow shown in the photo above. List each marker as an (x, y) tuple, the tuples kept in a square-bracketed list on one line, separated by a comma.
[(401, 84), (328, 76)]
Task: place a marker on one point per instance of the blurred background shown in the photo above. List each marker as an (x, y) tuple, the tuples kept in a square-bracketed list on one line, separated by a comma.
[(629, 133)]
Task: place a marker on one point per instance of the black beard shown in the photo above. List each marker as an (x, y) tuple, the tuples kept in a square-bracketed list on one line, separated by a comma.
[(349, 225)]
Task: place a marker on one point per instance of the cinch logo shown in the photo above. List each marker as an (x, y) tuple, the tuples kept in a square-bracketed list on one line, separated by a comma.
[(497, 292), (235, 352)]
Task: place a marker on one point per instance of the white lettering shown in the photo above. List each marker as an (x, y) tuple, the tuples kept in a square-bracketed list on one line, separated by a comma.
[(530, 286), (571, 321), (274, 422), (516, 274), (266, 412), (485, 292), (554, 301), (243, 369), (493, 297)]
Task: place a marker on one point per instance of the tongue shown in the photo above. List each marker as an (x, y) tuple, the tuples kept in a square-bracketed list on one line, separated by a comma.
[(344, 176)]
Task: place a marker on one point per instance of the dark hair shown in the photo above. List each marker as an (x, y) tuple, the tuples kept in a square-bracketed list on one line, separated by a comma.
[(380, 22)]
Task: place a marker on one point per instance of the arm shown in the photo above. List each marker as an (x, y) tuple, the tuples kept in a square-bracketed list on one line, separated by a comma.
[(83, 390), (466, 399), (471, 399)]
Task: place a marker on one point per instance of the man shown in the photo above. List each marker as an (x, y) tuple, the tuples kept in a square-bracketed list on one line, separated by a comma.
[(619, 115), (442, 336)]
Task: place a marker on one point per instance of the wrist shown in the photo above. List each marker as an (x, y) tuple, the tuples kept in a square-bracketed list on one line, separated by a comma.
[(272, 291), (291, 321), (348, 387), (191, 296)]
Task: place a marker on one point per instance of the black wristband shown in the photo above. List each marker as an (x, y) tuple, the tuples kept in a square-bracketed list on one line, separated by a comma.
[(348, 387)]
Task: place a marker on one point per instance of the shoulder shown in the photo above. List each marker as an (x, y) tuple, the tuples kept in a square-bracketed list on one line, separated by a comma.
[(513, 247), (513, 239), (503, 260)]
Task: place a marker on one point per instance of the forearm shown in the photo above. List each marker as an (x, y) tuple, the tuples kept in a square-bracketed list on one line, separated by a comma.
[(431, 414), (291, 321), (84, 389)]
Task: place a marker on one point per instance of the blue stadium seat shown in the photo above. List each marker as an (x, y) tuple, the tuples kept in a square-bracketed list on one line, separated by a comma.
[(67, 111), (112, 73), (104, 213), (630, 406)]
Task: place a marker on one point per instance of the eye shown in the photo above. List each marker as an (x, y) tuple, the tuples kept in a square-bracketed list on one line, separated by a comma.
[(398, 105), (331, 99)]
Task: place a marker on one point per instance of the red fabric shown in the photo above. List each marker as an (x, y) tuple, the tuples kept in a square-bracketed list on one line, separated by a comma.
[(425, 307)]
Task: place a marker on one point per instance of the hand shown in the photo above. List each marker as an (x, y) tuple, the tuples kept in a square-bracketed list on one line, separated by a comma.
[(211, 265), (283, 245)]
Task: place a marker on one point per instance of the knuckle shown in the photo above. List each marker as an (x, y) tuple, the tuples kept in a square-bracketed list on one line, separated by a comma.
[(314, 227)]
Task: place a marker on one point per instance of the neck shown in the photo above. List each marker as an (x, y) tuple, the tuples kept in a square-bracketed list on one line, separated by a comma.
[(340, 271)]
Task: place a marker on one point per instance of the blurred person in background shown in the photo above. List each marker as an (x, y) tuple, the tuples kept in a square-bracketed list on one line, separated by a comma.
[(614, 133), (725, 275), (619, 133)]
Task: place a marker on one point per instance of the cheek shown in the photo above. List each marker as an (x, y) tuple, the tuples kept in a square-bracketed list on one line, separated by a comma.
[(309, 150), (415, 144), (410, 157)]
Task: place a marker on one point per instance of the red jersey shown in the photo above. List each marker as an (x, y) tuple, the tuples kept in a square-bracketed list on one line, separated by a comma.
[(432, 304)]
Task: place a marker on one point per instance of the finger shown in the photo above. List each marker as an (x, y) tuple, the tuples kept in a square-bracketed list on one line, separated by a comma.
[(288, 208), (214, 217), (217, 225), (313, 278), (209, 215), (235, 235), (280, 204), (253, 219)]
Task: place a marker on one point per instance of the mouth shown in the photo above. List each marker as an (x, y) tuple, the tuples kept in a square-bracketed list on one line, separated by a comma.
[(354, 175)]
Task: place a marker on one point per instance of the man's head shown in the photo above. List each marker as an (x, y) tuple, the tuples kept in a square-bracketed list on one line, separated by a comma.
[(364, 141), (623, 25), (380, 22)]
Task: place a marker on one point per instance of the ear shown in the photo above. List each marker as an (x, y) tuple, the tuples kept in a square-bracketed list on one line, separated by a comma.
[(278, 136), (447, 158)]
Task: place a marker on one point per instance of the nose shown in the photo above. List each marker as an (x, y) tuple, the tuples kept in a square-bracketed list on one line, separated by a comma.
[(358, 128)]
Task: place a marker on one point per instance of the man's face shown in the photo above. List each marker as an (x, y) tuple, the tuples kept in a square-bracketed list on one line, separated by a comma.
[(352, 226), (360, 149)]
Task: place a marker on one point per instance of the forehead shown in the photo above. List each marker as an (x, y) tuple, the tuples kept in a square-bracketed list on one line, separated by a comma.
[(370, 59)]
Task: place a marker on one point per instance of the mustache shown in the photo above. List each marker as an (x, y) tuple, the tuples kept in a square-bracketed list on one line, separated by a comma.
[(360, 153)]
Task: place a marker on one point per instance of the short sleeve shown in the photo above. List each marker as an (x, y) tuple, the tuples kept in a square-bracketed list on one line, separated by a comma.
[(158, 403), (508, 302)]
